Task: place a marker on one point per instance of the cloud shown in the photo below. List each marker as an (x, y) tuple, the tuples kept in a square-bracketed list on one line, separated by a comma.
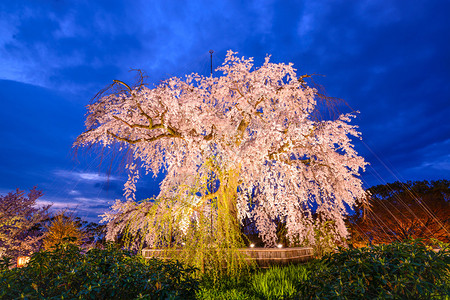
[(87, 176), (85, 204), (63, 47)]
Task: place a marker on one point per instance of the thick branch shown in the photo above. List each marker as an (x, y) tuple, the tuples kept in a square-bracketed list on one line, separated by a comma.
[(123, 83), (210, 135), (172, 132), (279, 151), (152, 139), (132, 125)]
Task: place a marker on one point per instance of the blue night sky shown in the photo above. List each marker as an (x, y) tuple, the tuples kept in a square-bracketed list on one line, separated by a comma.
[(388, 59)]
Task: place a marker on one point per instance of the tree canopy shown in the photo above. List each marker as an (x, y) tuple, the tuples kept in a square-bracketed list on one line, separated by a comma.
[(253, 132), (20, 222), (400, 211)]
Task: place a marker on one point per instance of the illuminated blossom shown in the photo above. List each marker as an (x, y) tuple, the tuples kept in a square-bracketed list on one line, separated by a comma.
[(256, 126)]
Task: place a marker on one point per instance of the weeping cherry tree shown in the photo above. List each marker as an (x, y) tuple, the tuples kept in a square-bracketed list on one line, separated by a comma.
[(245, 145)]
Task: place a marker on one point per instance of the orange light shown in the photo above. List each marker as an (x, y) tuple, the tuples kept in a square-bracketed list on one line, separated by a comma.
[(22, 261), (252, 245)]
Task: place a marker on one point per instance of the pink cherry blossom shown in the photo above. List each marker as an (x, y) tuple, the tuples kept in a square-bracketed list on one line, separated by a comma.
[(258, 122)]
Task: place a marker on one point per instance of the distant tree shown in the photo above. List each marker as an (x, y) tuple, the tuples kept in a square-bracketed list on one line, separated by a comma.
[(95, 234), (63, 224), (400, 211), (63, 227), (21, 222)]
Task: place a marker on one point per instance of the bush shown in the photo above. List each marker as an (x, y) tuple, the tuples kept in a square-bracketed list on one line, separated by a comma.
[(67, 273), (226, 287), (407, 270)]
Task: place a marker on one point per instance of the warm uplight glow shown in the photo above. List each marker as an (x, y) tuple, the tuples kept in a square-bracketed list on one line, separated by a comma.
[(183, 244), (22, 261), (252, 245), (280, 246)]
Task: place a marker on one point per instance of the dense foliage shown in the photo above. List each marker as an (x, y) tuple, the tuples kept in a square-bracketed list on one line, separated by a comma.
[(66, 224), (399, 211), (60, 228), (111, 273), (407, 270), (20, 222)]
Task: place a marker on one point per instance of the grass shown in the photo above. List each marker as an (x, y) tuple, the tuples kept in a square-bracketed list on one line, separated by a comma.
[(272, 283)]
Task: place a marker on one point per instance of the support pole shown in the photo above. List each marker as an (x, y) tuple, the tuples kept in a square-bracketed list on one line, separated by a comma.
[(211, 52)]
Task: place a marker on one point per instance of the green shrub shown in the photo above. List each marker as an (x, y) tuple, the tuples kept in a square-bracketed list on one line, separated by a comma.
[(407, 270), (229, 287), (6, 263), (67, 273)]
